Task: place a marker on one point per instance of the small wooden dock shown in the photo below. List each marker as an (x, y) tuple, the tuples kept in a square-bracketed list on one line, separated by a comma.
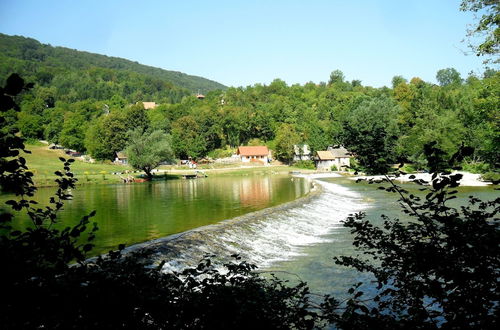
[(196, 175)]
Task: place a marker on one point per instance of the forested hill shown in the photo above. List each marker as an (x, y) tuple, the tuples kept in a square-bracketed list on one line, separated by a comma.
[(60, 67)]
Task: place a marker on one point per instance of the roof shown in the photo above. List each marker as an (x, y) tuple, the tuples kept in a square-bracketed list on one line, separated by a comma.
[(120, 155), (325, 155), (253, 151), (340, 152), (149, 105)]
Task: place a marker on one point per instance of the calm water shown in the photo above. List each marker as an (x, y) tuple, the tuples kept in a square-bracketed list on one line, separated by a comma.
[(140, 212)]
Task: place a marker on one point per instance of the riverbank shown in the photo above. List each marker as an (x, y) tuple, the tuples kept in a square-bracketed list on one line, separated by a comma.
[(468, 179), (43, 162)]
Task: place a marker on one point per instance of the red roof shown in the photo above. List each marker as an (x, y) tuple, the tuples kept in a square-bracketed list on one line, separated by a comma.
[(253, 151)]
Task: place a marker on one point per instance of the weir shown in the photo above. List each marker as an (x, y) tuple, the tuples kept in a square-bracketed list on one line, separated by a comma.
[(264, 237)]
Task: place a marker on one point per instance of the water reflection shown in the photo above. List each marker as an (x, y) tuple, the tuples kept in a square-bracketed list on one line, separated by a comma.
[(139, 212)]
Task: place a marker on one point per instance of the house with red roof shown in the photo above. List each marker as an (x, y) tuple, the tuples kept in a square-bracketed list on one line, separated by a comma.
[(254, 154)]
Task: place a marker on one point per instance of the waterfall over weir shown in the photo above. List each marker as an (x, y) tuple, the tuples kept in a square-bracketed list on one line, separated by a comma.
[(263, 237)]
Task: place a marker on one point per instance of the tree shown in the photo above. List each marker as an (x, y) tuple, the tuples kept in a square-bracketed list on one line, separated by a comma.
[(448, 76), (106, 136), (286, 138), (438, 269), (487, 27), (73, 131), (371, 132), (187, 138), (336, 76), (396, 80), (147, 150)]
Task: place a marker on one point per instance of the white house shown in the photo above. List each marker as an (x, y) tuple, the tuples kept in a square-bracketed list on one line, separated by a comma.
[(301, 152), (342, 157), (254, 154)]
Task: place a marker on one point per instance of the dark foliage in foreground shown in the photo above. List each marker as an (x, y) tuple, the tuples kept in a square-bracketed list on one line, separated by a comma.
[(41, 289), (441, 269)]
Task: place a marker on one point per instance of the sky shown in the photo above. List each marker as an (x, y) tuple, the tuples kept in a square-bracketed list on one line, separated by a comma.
[(241, 43)]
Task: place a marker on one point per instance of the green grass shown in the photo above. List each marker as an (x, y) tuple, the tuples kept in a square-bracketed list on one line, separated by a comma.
[(43, 162)]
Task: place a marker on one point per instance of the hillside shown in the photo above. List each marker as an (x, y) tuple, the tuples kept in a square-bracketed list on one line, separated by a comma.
[(44, 63)]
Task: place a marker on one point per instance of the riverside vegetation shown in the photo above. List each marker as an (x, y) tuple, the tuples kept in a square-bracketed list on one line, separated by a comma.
[(91, 105), (439, 271)]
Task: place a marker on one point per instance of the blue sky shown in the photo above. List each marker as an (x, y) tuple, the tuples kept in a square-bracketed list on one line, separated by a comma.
[(240, 43)]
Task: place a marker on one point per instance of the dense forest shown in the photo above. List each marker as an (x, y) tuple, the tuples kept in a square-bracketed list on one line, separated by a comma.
[(76, 75), (91, 103)]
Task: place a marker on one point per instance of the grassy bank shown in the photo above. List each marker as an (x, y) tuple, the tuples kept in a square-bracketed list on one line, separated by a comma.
[(43, 162)]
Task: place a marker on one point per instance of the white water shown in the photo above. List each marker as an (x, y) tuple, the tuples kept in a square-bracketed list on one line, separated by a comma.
[(273, 236)]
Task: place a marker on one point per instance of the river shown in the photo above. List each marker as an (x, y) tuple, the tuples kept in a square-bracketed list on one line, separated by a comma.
[(268, 220)]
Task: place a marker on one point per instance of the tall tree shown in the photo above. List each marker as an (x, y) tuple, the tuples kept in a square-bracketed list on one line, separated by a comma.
[(286, 138), (147, 150), (370, 132), (448, 76)]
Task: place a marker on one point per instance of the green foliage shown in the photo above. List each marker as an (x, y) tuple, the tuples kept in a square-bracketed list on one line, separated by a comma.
[(487, 27), (334, 168), (221, 153), (448, 76), (440, 269), (491, 177), (286, 138), (146, 150), (106, 136), (476, 167), (305, 164), (85, 74), (370, 132), (187, 138), (42, 289)]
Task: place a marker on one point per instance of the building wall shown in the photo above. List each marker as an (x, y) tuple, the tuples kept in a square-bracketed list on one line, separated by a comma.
[(324, 165), (340, 162), (247, 159)]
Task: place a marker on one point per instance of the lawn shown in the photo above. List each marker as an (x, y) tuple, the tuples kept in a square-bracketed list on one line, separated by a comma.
[(43, 162)]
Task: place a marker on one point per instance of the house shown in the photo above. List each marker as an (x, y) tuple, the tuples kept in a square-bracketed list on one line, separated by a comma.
[(200, 96), (338, 157), (301, 152), (342, 157), (324, 160), (254, 154), (149, 105), (121, 158)]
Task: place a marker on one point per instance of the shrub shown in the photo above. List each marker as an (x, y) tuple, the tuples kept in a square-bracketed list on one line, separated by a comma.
[(440, 269), (491, 177), (305, 164)]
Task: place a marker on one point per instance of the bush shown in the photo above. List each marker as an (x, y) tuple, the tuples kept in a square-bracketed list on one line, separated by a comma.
[(221, 153), (476, 167), (305, 164), (441, 269), (491, 177), (334, 168)]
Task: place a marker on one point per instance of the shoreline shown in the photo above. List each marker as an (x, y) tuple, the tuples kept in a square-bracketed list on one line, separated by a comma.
[(468, 179)]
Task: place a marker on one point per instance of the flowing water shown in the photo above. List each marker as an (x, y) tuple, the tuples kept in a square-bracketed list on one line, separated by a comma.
[(265, 219)]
